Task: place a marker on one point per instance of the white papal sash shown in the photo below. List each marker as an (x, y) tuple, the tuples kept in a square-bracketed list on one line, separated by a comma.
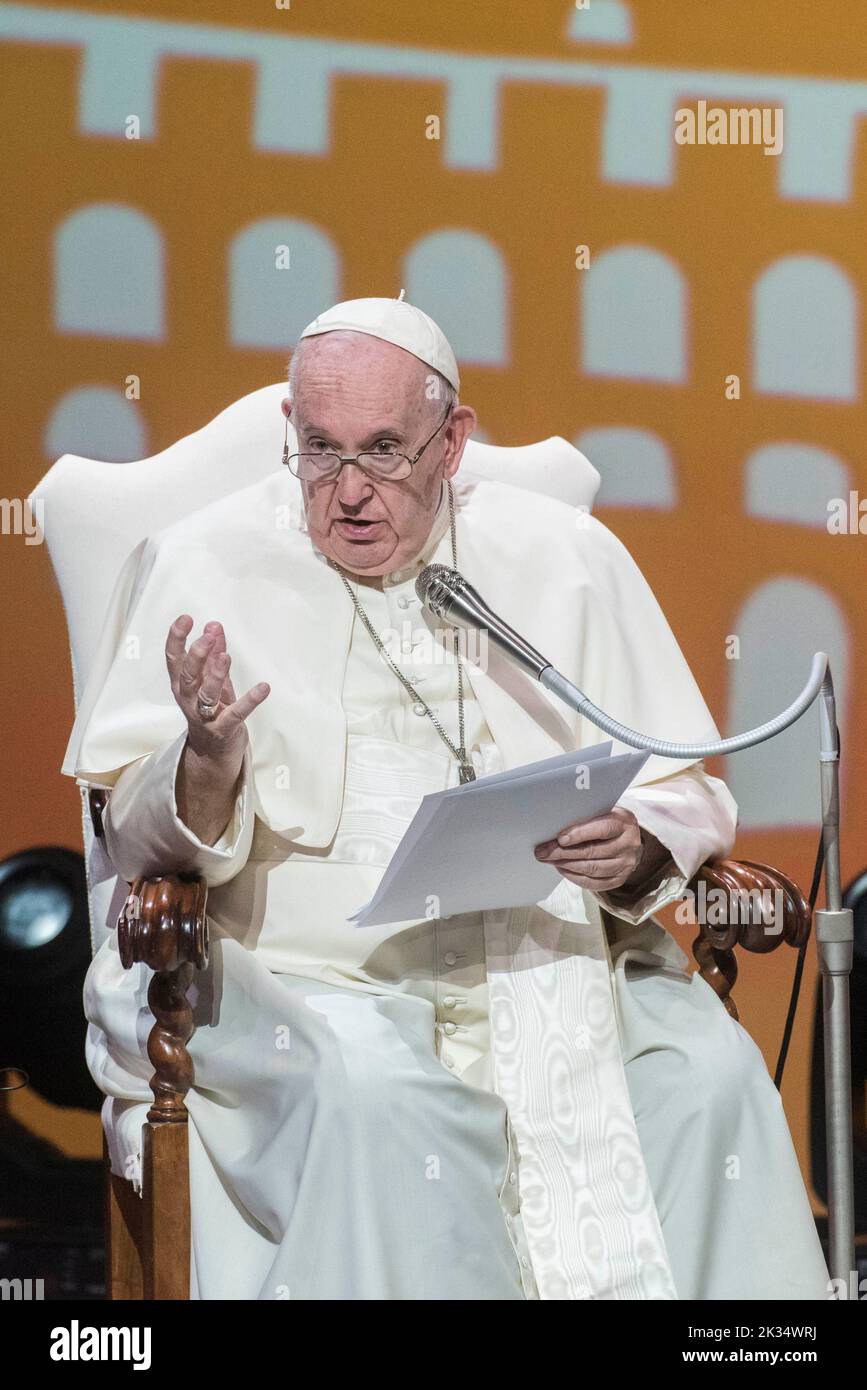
[(588, 1210)]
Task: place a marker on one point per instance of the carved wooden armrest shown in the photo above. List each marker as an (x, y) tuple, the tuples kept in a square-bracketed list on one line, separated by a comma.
[(741, 903), (163, 924)]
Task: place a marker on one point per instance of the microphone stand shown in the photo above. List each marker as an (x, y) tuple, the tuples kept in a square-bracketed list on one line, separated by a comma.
[(834, 929), (450, 596)]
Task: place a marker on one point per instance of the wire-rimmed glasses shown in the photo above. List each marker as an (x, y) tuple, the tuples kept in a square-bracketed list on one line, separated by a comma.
[(384, 463)]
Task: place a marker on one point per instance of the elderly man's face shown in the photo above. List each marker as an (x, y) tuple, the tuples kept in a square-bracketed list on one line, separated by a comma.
[(352, 393)]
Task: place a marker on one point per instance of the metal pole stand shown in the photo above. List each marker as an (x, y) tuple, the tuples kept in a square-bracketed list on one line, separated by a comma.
[(835, 947)]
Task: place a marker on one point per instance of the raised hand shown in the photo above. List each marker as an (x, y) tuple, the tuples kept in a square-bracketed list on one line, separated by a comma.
[(215, 716)]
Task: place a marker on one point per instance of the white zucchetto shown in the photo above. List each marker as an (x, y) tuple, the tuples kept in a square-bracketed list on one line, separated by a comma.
[(395, 321)]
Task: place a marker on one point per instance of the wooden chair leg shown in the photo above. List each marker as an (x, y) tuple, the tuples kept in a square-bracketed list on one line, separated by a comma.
[(165, 1140), (166, 1211), (124, 1275)]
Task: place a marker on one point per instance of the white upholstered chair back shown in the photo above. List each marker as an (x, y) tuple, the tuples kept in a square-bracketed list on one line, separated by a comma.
[(96, 513)]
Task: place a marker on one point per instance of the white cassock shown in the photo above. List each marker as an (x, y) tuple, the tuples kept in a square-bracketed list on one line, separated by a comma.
[(530, 1103)]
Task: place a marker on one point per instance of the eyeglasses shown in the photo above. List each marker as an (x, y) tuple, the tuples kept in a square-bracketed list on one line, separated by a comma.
[(384, 463)]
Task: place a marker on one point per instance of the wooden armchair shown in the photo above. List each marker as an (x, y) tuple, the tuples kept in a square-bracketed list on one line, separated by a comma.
[(164, 925)]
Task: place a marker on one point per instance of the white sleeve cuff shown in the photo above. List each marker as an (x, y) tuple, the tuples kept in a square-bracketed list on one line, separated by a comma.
[(145, 836), (695, 817)]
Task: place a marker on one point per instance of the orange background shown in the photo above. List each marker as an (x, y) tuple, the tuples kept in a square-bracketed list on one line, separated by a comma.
[(381, 187)]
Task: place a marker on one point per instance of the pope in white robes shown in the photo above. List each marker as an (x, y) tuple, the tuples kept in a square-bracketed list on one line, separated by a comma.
[(526, 1103)]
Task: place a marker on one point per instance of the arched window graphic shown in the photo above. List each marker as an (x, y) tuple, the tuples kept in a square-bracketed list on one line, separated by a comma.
[(274, 294), (460, 279), (96, 422), (633, 316), (783, 623), (805, 330), (108, 273), (635, 465), (794, 483)]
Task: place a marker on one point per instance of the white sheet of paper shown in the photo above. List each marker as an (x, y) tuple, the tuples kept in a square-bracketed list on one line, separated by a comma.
[(471, 847), (430, 804)]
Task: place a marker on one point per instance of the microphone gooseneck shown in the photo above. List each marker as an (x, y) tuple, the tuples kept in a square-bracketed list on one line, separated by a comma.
[(451, 597)]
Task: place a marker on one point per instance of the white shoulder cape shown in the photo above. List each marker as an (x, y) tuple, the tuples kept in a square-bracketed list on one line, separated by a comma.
[(557, 575)]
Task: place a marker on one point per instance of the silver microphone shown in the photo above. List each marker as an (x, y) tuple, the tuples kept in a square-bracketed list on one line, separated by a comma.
[(448, 595)]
